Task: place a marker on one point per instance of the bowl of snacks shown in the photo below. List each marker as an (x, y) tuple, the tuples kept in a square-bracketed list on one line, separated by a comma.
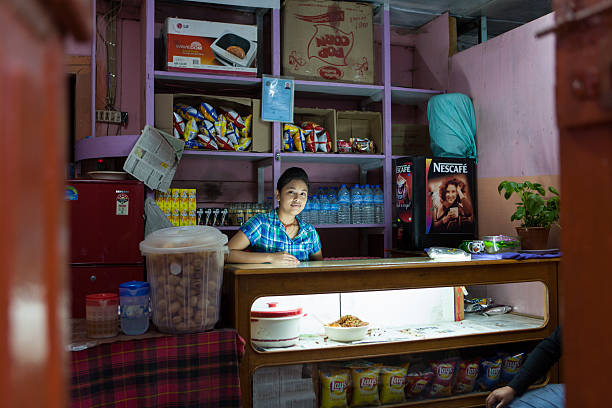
[(347, 328)]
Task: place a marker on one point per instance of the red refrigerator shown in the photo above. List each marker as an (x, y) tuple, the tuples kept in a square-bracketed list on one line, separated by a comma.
[(106, 226)]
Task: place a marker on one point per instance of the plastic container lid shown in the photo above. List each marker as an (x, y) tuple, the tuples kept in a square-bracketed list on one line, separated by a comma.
[(273, 310), (102, 298), (134, 288), (183, 239)]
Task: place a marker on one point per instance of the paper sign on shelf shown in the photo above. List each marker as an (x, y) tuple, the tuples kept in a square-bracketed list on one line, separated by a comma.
[(277, 99), (154, 158)]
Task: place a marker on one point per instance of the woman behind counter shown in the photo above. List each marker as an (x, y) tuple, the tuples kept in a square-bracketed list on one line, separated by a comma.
[(280, 236)]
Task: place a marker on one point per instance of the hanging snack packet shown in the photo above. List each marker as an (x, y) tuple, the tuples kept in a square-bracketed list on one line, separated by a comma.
[(178, 125), (510, 366), (208, 142), (365, 386), (392, 383), (233, 117), (191, 130), (442, 382), (467, 372), (334, 384), (416, 382), (344, 146), (246, 130), (243, 144), (489, 374), (208, 112), (323, 141)]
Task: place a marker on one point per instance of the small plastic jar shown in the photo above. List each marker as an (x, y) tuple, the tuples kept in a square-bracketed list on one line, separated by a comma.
[(101, 310), (134, 307)]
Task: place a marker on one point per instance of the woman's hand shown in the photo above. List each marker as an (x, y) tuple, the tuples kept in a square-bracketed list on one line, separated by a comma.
[(500, 397), (283, 258)]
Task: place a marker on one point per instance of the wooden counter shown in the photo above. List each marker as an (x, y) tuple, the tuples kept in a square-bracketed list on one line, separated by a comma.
[(246, 282)]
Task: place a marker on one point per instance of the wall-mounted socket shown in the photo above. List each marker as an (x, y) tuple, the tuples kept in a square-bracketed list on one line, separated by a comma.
[(108, 116)]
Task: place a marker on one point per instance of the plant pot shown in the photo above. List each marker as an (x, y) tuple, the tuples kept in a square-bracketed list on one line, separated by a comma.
[(533, 237)]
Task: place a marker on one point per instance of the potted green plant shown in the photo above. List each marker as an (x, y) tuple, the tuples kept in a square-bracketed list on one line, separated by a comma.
[(535, 211)]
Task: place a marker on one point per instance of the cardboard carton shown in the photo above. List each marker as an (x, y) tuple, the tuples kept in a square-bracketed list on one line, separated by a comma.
[(328, 41), (260, 130), (358, 124), (323, 117), (210, 47)]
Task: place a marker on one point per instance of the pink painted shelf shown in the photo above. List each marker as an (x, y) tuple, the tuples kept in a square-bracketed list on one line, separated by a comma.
[(207, 78), (411, 96)]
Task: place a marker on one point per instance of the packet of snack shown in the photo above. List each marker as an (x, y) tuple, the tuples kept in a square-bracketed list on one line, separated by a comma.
[(392, 383), (246, 130), (362, 145), (288, 131), (193, 144), (207, 128), (232, 136), (344, 146), (299, 142), (490, 370), (233, 117), (467, 372), (178, 124), (189, 112), (208, 112), (510, 366), (334, 386), (191, 130), (243, 144), (442, 382), (323, 141), (416, 383), (310, 140), (223, 143), (221, 125), (365, 386), (208, 142)]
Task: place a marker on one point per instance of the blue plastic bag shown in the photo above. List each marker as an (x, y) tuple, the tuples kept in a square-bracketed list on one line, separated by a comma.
[(452, 126)]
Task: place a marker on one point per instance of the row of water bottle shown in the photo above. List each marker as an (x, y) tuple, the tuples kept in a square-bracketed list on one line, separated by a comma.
[(357, 205)]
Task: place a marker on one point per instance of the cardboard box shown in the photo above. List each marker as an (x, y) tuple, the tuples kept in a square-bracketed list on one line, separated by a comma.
[(210, 47), (360, 124), (323, 117), (328, 41), (260, 130), (411, 140)]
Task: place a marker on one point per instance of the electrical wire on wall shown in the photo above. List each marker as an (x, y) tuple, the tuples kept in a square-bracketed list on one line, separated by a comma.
[(109, 39)]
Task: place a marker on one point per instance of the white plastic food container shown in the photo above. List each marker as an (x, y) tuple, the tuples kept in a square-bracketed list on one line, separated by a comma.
[(346, 333), (185, 271), (275, 325)]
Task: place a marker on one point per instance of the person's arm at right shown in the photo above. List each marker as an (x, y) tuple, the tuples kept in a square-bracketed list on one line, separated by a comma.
[(237, 254), (541, 359)]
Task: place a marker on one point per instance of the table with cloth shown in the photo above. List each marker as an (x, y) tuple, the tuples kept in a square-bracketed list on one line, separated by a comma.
[(156, 369)]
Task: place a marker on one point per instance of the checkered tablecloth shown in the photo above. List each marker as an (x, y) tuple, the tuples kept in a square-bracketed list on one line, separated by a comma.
[(189, 370)]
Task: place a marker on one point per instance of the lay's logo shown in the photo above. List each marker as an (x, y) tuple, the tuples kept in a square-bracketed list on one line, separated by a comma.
[(368, 382), (471, 371), (493, 372), (337, 386), (445, 371), (511, 366), (396, 380)]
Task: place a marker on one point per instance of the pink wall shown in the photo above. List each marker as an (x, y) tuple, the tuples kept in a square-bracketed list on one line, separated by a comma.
[(431, 56), (511, 82)]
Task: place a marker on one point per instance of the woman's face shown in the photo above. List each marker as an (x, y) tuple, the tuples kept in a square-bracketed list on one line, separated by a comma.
[(292, 198), (451, 193)]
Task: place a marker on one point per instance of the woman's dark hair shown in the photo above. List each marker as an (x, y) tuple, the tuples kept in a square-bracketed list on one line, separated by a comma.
[(458, 184), (292, 173)]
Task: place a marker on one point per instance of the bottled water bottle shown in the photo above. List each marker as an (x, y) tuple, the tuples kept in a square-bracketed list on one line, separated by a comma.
[(333, 206), (380, 205), (344, 205), (368, 205), (356, 202), (315, 210), (305, 214), (323, 207)]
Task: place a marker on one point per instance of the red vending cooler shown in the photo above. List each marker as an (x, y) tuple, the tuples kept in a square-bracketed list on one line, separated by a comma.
[(106, 226)]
